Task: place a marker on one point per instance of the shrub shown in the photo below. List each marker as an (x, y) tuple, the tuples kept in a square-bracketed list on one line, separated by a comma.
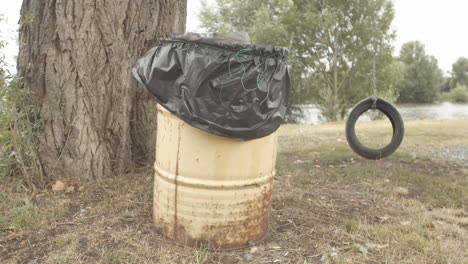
[(458, 94), (19, 127)]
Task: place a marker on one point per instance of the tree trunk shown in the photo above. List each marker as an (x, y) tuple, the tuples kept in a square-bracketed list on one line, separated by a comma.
[(76, 55)]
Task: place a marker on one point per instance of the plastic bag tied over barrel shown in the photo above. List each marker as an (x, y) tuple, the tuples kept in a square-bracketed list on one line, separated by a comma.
[(218, 83)]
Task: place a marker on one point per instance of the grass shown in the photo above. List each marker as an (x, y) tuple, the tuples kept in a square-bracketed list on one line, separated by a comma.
[(17, 211), (351, 225), (328, 203), (430, 178)]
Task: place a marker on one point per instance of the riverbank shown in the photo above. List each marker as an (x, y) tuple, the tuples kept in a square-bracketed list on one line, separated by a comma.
[(329, 206), (436, 111)]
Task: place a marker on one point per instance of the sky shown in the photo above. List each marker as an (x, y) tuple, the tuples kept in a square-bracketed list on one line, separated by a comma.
[(440, 24)]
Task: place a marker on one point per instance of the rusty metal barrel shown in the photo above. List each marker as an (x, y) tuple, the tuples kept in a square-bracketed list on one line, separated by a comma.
[(210, 189)]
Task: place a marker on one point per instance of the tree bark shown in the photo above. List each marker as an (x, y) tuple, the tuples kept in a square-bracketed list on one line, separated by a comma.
[(77, 55)]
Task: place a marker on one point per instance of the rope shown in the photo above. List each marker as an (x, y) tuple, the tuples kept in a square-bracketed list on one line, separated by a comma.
[(374, 55), (374, 83)]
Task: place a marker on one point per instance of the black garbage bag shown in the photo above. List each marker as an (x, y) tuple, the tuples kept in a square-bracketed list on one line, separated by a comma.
[(232, 90)]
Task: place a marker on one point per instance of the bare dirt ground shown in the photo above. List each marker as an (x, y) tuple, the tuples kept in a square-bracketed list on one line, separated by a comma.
[(329, 206)]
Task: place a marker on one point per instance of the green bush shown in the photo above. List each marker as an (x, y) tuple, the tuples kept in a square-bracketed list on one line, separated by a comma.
[(458, 94), (19, 127)]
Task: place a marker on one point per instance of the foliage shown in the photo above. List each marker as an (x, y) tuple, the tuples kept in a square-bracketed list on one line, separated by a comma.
[(456, 95), (445, 84), (331, 44), (19, 125), (421, 74), (459, 73)]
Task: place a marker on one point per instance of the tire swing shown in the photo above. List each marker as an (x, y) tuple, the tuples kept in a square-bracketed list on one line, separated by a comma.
[(392, 114), (373, 102)]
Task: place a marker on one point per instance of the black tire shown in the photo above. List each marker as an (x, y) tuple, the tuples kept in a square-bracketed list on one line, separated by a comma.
[(397, 123)]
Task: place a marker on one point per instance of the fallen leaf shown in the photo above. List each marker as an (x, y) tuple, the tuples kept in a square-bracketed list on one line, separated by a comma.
[(430, 225), (70, 189), (382, 218)]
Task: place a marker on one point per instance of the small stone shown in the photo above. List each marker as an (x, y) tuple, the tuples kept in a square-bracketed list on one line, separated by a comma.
[(57, 187), (333, 254), (402, 190), (386, 180), (83, 240), (253, 250), (131, 215), (362, 249), (324, 257), (364, 203), (248, 256)]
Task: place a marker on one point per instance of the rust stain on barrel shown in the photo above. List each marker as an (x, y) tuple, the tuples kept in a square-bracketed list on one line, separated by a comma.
[(175, 180), (209, 189), (240, 231)]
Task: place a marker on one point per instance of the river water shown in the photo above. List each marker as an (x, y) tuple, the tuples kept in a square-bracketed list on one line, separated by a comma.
[(437, 111)]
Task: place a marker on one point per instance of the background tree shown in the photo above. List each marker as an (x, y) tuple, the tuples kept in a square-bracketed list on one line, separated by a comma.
[(2, 56), (459, 74), (76, 58), (421, 75), (331, 44)]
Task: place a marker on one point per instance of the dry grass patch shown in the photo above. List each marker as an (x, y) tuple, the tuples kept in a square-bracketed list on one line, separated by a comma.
[(329, 206)]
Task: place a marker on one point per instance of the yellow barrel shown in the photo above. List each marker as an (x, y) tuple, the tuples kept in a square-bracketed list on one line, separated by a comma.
[(211, 189)]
